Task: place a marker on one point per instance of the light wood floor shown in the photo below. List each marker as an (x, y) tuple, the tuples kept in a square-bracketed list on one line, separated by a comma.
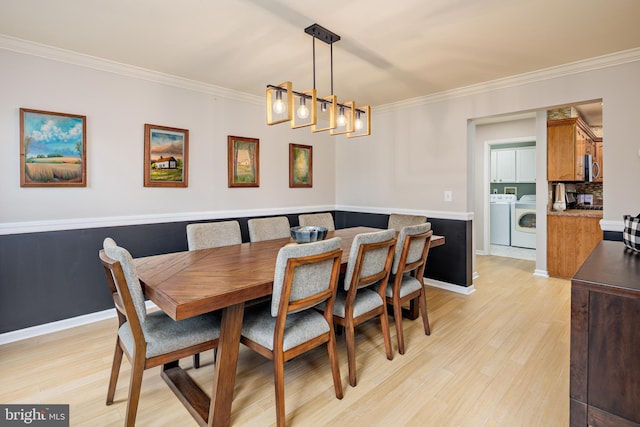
[(498, 357)]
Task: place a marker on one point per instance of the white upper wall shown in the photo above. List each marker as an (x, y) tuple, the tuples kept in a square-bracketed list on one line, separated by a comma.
[(417, 152), (117, 107), (419, 148)]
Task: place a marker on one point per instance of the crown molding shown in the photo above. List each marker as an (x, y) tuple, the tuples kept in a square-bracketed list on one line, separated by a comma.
[(571, 68), (57, 54), (75, 58)]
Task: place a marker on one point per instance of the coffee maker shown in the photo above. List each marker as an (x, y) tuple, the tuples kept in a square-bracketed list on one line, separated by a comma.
[(570, 195)]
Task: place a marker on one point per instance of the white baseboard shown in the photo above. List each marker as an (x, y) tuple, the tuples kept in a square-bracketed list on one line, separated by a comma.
[(541, 273), (464, 290), (61, 325)]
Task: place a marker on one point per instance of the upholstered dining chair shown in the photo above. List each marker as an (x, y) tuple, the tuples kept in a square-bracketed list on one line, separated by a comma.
[(147, 339), (397, 221), (407, 282), (370, 261), (269, 228), (319, 219), (305, 276), (213, 234)]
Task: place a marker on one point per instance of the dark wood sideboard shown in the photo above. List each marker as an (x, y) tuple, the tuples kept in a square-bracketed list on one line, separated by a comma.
[(605, 339)]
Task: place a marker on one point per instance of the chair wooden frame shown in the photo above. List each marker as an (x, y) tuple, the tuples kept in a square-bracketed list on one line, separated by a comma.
[(278, 356), (139, 362), (416, 269), (349, 322)]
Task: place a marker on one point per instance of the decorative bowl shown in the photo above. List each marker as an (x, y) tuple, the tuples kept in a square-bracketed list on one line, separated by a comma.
[(308, 233)]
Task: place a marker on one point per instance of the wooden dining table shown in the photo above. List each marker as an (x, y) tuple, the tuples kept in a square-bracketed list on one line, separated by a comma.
[(186, 284)]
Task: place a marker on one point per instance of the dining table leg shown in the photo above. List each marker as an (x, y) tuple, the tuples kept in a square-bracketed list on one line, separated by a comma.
[(225, 367)]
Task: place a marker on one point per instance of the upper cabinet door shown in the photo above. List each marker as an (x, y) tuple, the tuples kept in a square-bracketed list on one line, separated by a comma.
[(503, 165), (526, 164)]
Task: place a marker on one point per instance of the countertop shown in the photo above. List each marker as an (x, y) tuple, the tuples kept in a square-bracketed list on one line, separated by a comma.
[(610, 266), (577, 212)]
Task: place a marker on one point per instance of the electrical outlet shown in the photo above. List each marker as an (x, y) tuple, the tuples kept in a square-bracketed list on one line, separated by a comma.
[(448, 196)]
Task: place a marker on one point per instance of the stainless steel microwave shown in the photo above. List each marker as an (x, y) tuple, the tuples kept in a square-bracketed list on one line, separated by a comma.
[(591, 168)]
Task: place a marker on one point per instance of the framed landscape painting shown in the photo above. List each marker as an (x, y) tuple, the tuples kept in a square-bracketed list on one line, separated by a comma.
[(300, 165), (166, 154), (52, 149), (243, 156)]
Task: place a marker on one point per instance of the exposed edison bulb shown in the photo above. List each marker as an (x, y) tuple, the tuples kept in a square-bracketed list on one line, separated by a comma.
[(342, 119), (358, 123), (279, 106), (303, 111)]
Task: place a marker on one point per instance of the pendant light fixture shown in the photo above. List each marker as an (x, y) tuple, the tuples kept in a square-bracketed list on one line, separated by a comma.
[(304, 108)]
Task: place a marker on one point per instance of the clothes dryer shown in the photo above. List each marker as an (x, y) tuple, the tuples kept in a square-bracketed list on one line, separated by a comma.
[(523, 222)]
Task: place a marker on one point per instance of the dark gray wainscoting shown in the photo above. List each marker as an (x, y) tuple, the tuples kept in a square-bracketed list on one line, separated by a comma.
[(51, 276), (613, 235)]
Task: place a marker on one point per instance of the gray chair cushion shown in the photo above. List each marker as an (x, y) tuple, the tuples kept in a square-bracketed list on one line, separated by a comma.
[(308, 279), (318, 219), (374, 261), (366, 300), (415, 250), (164, 335), (213, 235), (259, 326), (399, 221), (409, 284), (269, 228), (115, 252)]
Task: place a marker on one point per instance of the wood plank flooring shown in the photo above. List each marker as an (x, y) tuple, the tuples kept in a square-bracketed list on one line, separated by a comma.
[(498, 357)]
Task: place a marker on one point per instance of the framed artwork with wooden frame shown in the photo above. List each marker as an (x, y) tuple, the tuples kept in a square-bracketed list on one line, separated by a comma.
[(166, 156), (53, 149), (300, 166), (243, 157)]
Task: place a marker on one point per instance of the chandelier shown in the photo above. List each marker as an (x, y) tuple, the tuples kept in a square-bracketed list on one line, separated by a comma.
[(304, 108)]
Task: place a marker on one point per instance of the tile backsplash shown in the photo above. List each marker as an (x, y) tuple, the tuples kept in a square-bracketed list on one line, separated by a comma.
[(594, 188)]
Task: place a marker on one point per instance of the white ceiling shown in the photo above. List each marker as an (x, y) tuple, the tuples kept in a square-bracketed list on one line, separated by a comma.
[(390, 50)]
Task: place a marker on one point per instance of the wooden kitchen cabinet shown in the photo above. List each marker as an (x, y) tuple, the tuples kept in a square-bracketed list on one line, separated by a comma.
[(570, 240), (568, 140), (605, 339)]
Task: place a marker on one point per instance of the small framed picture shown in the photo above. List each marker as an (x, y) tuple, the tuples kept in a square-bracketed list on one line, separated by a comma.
[(511, 190), (300, 166), (53, 149), (166, 155), (243, 157)]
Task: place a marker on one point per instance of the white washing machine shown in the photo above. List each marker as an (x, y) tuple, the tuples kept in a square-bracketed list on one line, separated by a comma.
[(500, 218), (523, 222)]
